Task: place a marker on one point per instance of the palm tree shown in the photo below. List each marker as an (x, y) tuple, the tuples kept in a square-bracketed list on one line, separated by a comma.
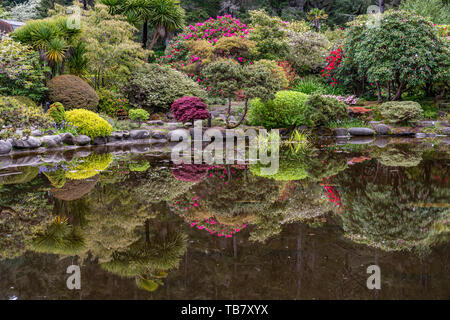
[(163, 15), (315, 15)]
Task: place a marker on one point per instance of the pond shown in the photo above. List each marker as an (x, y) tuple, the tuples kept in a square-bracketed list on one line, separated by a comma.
[(141, 227)]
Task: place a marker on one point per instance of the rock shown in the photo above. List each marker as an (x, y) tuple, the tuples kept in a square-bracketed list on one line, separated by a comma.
[(158, 135), (156, 123), (420, 135), (381, 142), (426, 123), (341, 132), (67, 138), (29, 143), (115, 136), (361, 132), (51, 141), (446, 131), (431, 135), (126, 134), (173, 125), (50, 132), (37, 133), (99, 140), (382, 129), (214, 113), (182, 135), (5, 147), (139, 134), (82, 140), (233, 119)]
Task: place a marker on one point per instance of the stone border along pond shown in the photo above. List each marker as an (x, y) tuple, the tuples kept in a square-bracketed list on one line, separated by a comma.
[(159, 132)]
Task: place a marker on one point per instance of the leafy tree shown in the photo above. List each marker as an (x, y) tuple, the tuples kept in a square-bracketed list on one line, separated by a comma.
[(226, 78), (21, 72), (397, 53), (437, 11)]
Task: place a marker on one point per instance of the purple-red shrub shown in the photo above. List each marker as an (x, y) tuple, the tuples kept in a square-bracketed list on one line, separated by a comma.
[(190, 172), (189, 108)]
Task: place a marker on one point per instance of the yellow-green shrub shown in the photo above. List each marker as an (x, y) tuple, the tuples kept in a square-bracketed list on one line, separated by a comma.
[(90, 166), (88, 123)]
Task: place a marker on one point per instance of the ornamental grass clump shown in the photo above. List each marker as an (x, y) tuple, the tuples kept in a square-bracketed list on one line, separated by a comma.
[(89, 123), (189, 109)]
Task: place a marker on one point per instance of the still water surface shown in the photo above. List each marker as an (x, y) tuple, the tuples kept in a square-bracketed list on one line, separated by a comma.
[(140, 227)]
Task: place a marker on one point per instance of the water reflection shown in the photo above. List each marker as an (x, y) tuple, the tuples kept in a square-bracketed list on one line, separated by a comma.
[(142, 228)]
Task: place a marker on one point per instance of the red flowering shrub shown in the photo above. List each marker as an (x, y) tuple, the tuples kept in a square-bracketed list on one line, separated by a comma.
[(289, 71), (333, 61), (189, 108)]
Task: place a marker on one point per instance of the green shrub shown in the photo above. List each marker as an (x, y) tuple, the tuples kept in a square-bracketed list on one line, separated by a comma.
[(57, 112), (398, 112), (88, 123), (138, 115), (155, 87), (109, 102), (286, 110), (26, 101), (73, 92), (14, 114), (320, 110)]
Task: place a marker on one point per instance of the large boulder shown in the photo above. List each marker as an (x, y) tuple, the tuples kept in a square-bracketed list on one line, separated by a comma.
[(27, 143), (361, 132), (139, 134), (82, 140), (51, 141), (5, 147)]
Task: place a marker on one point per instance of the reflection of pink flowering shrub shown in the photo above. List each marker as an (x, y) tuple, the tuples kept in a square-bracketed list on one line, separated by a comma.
[(349, 100), (189, 108), (190, 172)]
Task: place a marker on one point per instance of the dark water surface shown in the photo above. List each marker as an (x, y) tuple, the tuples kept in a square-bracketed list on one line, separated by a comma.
[(140, 227)]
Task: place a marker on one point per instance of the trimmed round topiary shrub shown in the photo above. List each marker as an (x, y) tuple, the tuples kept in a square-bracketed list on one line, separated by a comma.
[(57, 112), (155, 87), (321, 110), (88, 123), (189, 109), (401, 112), (73, 92), (286, 110), (138, 115)]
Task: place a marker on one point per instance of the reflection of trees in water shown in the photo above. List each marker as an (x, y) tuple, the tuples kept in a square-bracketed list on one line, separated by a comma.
[(395, 208)]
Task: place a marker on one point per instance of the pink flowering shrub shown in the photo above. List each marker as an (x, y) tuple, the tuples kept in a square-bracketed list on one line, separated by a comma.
[(190, 172), (189, 109), (177, 54), (348, 100)]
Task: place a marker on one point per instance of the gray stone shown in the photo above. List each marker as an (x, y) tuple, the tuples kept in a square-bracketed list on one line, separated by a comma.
[(382, 129), (446, 131), (361, 132), (381, 142), (126, 134), (51, 141), (82, 140), (420, 135), (37, 133), (68, 138), (159, 135), (99, 140), (115, 136), (233, 119), (431, 135), (156, 123), (214, 113), (139, 134), (29, 143), (173, 125), (5, 147), (426, 123), (182, 134), (341, 132)]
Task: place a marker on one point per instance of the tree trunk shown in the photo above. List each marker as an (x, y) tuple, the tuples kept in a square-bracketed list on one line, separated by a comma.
[(155, 38), (380, 97), (441, 95), (85, 5), (242, 117), (389, 91), (381, 5), (145, 34), (398, 95)]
